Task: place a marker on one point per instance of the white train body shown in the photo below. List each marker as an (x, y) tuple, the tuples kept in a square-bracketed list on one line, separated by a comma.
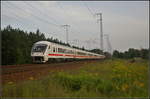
[(42, 51)]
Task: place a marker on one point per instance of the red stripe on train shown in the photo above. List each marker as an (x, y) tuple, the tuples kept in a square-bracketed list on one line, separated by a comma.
[(55, 54), (68, 55), (60, 55)]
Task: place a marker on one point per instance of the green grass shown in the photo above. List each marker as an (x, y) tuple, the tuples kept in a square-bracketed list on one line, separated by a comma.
[(108, 78)]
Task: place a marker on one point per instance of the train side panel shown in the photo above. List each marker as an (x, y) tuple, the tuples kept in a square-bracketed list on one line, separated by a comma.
[(54, 51)]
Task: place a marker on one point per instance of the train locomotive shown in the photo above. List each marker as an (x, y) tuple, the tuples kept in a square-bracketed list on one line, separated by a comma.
[(42, 51)]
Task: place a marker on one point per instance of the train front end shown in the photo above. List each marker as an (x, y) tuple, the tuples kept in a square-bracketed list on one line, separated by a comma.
[(38, 52)]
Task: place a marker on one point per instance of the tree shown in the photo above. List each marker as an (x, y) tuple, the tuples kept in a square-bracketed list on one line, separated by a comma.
[(107, 54), (116, 54), (132, 53), (144, 53), (98, 51)]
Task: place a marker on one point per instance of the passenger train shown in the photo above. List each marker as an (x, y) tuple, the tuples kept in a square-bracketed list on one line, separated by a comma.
[(42, 51)]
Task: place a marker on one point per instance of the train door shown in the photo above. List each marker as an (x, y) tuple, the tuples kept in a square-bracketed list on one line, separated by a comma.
[(54, 49), (49, 49)]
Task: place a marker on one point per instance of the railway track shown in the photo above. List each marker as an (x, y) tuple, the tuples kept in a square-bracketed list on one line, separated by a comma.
[(17, 69), (28, 67), (23, 72)]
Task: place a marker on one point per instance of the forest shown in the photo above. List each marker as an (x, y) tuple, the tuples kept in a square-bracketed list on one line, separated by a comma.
[(16, 46)]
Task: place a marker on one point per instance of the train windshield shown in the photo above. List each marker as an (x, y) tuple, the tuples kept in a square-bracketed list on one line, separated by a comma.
[(39, 48)]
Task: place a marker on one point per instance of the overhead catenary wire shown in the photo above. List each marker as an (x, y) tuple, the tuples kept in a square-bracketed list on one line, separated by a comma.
[(61, 7), (14, 19), (91, 12), (58, 24), (17, 17), (41, 12), (100, 20), (37, 17)]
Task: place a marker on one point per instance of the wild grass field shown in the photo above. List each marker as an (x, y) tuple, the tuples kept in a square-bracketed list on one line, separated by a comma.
[(107, 78)]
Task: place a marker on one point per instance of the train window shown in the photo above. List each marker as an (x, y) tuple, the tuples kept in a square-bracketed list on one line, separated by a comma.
[(66, 51), (61, 50), (39, 48), (81, 53), (69, 51), (54, 49), (89, 54)]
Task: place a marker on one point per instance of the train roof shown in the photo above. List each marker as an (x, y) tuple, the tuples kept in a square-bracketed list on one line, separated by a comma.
[(48, 42), (43, 42)]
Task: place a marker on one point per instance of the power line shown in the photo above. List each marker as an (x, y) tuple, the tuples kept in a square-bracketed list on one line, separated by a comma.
[(61, 8), (17, 17), (68, 15), (40, 11), (88, 9), (100, 20), (38, 18), (12, 18)]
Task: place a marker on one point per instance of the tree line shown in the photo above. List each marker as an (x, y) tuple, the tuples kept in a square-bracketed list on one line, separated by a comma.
[(129, 54), (16, 46), (132, 53)]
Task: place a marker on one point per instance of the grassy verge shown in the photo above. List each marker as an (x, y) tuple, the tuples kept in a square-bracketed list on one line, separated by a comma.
[(109, 78)]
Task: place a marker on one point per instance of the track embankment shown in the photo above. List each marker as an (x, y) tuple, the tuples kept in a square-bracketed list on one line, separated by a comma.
[(17, 73)]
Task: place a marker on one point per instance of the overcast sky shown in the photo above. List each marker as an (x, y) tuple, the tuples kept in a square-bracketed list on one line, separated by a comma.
[(126, 22)]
